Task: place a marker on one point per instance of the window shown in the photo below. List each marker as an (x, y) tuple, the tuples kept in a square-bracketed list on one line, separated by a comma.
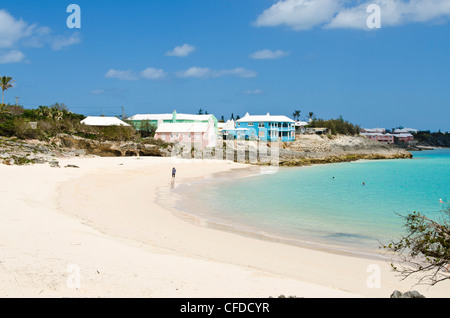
[(250, 124), (261, 125)]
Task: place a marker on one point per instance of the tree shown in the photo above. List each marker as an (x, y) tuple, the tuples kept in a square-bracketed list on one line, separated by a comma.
[(5, 84), (310, 115), (296, 114), (232, 116), (147, 129), (424, 250), (200, 111)]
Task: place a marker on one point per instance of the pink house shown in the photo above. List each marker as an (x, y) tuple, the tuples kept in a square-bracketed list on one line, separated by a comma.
[(203, 133), (386, 138), (404, 137)]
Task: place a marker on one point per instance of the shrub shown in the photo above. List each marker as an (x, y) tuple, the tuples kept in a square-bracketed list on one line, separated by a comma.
[(336, 126)]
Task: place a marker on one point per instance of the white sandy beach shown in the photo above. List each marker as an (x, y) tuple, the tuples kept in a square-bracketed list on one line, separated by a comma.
[(103, 219)]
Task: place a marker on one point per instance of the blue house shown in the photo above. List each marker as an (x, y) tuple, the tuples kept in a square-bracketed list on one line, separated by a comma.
[(264, 128)]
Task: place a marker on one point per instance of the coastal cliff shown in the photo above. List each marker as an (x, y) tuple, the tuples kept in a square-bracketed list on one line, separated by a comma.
[(306, 150), (315, 149)]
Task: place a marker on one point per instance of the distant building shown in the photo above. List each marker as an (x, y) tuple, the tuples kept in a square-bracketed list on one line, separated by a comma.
[(228, 128), (194, 132), (386, 138), (100, 121), (373, 130), (265, 128), (300, 126), (404, 137), (317, 131), (405, 131), (138, 119)]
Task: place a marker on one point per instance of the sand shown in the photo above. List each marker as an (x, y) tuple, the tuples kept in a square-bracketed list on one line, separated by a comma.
[(98, 231)]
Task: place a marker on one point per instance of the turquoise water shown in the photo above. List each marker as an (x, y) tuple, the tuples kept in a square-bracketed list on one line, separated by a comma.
[(308, 205)]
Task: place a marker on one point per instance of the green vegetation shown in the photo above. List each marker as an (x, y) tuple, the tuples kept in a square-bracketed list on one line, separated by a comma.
[(147, 129), (46, 122), (335, 126), (425, 248), (5, 83), (435, 139)]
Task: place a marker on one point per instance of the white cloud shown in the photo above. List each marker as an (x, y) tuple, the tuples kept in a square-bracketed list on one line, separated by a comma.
[(14, 56), (299, 14), (254, 92), (11, 30), (307, 14), (97, 91), (196, 72), (16, 33), (204, 72), (153, 73), (181, 51), (239, 72), (60, 41), (268, 54), (393, 13), (127, 75)]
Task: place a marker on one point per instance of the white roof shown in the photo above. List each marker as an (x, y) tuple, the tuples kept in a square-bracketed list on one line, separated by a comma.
[(301, 123), (375, 134), (375, 130), (265, 118), (182, 127), (405, 130), (170, 116), (403, 135), (230, 125), (103, 121)]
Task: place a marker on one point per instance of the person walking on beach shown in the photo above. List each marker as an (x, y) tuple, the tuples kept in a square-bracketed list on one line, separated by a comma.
[(174, 171)]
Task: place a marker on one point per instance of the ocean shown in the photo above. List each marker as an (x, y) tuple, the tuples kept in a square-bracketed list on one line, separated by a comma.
[(346, 207)]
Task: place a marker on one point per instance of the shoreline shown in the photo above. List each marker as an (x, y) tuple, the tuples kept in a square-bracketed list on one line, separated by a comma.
[(104, 217), (178, 196)]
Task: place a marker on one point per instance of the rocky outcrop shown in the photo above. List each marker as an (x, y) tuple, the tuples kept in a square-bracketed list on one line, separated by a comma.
[(20, 152), (408, 294), (111, 148), (315, 149), (306, 150)]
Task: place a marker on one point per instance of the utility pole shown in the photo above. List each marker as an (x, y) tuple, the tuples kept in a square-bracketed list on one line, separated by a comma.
[(123, 113), (17, 100)]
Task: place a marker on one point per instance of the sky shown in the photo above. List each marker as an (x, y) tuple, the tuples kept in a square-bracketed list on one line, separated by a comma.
[(384, 67)]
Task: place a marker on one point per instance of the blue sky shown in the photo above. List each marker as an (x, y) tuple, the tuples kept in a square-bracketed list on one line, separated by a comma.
[(234, 56)]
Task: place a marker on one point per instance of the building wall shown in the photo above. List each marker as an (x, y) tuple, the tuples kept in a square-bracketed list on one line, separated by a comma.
[(268, 131), (137, 123), (207, 138)]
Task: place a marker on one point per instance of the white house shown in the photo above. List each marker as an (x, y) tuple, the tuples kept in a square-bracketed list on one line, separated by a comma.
[(203, 133), (103, 121)]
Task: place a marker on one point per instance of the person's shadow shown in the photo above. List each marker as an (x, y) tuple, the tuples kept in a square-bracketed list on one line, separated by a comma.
[(172, 184)]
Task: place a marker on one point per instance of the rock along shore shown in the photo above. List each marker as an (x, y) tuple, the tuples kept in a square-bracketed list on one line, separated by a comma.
[(306, 150)]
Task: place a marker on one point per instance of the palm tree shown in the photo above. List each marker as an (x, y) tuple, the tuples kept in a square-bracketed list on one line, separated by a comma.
[(296, 115), (5, 84), (310, 115)]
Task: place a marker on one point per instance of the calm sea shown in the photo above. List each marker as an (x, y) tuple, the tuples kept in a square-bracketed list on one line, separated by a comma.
[(346, 206)]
